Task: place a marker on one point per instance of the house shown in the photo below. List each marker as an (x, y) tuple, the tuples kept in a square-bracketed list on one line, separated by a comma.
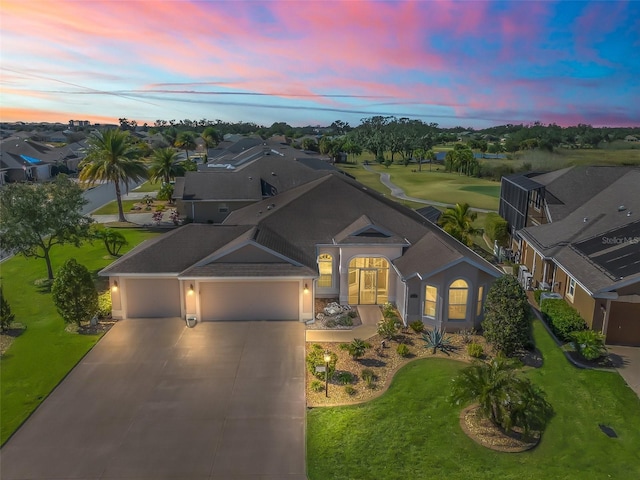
[(330, 237), (577, 233), (631, 138), (241, 174), (21, 160)]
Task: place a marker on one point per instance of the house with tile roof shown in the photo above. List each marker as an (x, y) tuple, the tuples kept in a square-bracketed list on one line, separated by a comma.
[(577, 233), (330, 237)]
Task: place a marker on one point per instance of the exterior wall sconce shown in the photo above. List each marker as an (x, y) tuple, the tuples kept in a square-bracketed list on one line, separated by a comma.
[(114, 287), (306, 289), (191, 289)]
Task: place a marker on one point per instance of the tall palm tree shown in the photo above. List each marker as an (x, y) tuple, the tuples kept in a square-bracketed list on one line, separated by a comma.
[(457, 222), (505, 398), (164, 165), (112, 157), (186, 141)]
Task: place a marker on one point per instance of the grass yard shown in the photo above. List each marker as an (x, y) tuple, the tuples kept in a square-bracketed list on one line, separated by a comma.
[(38, 359), (148, 187), (436, 185), (413, 432)]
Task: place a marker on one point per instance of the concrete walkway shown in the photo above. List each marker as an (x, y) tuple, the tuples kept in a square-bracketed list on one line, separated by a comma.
[(627, 362), (397, 192), (370, 315)]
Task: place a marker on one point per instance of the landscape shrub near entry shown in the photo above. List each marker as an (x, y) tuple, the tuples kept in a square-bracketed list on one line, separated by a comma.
[(562, 318)]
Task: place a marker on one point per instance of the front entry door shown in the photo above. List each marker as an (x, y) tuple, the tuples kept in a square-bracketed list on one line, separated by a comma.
[(368, 286)]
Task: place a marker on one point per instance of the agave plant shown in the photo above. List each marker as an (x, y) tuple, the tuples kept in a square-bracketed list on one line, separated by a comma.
[(356, 348), (437, 339)]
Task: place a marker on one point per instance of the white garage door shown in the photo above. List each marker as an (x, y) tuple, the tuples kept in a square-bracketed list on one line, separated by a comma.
[(249, 301), (153, 298)]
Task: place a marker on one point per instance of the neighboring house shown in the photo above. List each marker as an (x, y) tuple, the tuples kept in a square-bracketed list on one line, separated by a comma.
[(577, 233), (21, 160), (631, 138), (247, 173), (330, 237)]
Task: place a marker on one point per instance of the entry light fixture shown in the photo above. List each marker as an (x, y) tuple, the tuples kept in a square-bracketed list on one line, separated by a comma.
[(306, 288), (114, 287), (191, 289)]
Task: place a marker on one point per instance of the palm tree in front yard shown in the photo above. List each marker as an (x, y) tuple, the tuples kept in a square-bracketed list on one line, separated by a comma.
[(457, 222), (164, 165), (112, 157)]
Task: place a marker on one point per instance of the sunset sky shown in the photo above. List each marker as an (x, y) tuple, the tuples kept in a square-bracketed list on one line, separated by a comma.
[(471, 63)]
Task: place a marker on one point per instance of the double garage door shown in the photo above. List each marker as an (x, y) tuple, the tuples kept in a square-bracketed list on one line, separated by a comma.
[(624, 324), (249, 301)]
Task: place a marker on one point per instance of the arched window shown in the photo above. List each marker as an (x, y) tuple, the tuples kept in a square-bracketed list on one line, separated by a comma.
[(458, 296), (325, 268)]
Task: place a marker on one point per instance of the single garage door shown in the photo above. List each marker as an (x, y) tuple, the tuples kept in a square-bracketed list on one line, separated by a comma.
[(153, 298), (624, 324), (249, 301)]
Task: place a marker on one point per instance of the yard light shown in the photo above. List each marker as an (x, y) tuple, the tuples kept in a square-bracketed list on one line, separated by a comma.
[(327, 359)]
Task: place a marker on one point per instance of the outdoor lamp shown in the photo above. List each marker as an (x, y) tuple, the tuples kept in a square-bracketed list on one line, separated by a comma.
[(306, 288), (114, 288), (191, 289), (327, 359)]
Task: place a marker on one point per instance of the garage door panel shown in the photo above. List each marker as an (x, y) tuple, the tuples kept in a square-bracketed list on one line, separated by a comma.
[(147, 298), (249, 301), (624, 324)]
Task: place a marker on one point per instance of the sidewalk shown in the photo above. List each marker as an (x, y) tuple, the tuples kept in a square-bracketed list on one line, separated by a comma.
[(370, 315)]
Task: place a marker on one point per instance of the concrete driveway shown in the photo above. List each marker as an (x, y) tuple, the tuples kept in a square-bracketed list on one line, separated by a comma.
[(157, 400), (627, 361)]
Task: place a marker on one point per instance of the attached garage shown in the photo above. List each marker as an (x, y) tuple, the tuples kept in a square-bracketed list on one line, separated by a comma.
[(147, 298), (268, 300), (624, 324)]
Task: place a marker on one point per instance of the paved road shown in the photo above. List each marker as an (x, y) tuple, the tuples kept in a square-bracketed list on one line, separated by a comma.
[(156, 400), (101, 195), (397, 192)]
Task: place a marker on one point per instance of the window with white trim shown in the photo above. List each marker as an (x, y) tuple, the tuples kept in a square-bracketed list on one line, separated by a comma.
[(325, 268), (458, 297), (571, 288), (430, 300), (480, 299)]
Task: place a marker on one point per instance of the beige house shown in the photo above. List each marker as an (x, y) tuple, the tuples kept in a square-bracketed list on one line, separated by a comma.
[(581, 239), (329, 238)]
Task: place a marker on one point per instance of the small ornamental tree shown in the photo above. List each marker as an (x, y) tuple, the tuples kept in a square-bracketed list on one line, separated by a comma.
[(506, 316), (74, 294), (6, 317), (113, 241)]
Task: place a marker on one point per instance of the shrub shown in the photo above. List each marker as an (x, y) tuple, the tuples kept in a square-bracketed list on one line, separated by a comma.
[(388, 327), (165, 193), (467, 334), (344, 378), (349, 390), (438, 340), (497, 229), (507, 316), (536, 295), (403, 350), (475, 350), (317, 386), (104, 305), (369, 377), (344, 321), (315, 357), (417, 326), (388, 310), (6, 317), (356, 348), (73, 293), (562, 318), (352, 313), (330, 323), (589, 344)]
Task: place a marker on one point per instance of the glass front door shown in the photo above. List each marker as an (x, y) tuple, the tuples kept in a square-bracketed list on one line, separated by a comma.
[(368, 286)]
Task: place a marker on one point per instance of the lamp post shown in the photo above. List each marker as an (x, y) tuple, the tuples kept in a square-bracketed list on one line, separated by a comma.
[(327, 359)]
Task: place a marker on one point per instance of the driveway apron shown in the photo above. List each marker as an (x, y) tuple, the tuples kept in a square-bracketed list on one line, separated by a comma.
[(157, 400)]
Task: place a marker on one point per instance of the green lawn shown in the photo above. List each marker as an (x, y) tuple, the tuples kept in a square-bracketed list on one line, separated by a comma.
[(111, 208), (44, 353), (148, 187), (412, 431), (433, 185)]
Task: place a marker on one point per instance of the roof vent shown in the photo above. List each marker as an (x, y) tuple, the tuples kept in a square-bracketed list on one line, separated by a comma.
[(622, 208), (273, 173), (250, 178), (629, 213), (585, 220)]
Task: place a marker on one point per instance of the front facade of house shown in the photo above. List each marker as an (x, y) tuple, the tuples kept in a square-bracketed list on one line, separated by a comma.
[(587, 248), (330, 238)]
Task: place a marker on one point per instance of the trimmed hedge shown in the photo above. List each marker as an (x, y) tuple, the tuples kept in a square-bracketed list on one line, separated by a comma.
[(497, 229), (562, 318)]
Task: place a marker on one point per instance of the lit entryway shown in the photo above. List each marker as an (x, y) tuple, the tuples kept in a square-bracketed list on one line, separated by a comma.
[(368, 281)]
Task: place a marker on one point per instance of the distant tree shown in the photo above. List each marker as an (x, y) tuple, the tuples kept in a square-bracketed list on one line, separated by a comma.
[(74, 294), (211, 136), (36, 217), (6, 317), (164, 166), (507, 316), (186, 141), (112, 157), (309, 144), (458, 222)]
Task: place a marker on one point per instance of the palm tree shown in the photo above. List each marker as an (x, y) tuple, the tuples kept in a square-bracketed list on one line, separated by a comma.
[(505, 398), (164, 165), (457, 222), (112, 157), (186, 141)]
